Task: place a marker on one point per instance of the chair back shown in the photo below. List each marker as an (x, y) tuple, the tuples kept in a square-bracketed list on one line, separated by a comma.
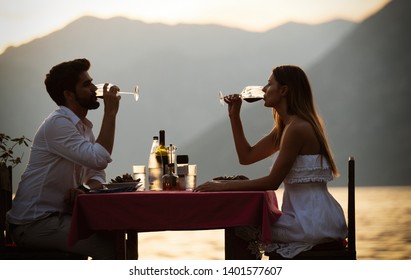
[(6, 193), (351, 207)]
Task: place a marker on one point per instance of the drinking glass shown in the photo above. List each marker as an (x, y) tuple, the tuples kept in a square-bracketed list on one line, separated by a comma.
[(99, 91), (249, 94), (139, 172), (191, 178)]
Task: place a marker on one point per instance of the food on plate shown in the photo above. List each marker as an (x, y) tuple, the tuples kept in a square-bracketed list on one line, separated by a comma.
[(124, 178), (234, 177)]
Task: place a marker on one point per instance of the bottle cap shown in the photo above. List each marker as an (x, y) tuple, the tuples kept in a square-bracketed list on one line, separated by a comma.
[(162, 137)]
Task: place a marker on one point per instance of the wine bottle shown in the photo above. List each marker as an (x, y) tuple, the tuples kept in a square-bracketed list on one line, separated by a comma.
[(161, 153), (154, 168)]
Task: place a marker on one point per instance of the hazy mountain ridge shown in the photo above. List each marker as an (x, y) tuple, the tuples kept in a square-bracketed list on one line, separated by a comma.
[(184, 66), (376, 79)]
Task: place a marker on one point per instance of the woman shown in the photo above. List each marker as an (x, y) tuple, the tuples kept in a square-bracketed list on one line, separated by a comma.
[(304, 163)]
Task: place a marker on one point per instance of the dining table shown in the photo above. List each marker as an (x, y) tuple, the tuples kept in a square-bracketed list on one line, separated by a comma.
[(128, 213)]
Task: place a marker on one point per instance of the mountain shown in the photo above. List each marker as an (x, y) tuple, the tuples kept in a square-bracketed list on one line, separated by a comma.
[(372, 118), (362, 90), (179, 69)]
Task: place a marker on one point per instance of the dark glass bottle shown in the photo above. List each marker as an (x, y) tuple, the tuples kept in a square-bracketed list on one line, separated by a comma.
[(170, 179), (161, 152)]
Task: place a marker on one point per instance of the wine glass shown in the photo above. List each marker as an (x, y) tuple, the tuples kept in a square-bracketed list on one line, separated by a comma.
[(99, 91), (249, 94)]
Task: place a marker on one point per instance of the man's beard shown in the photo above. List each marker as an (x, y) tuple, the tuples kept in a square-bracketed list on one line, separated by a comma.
[(90, 103)]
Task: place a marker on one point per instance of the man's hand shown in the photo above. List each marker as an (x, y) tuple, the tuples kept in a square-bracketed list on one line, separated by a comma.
[(111, 99)]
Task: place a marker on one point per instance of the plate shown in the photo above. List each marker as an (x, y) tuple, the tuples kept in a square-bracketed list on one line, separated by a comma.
[(118, 187)]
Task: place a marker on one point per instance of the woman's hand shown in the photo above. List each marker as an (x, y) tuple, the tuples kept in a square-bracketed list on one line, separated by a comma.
[(234, 104), (211, 186)]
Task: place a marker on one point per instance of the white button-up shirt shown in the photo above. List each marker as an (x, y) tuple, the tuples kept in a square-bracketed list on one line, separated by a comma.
[(63, 155)]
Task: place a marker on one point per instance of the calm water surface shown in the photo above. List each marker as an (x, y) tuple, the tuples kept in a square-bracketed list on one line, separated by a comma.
[(383, 222)]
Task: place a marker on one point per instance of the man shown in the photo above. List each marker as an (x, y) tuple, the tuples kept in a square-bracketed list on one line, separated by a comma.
[(64, 156)]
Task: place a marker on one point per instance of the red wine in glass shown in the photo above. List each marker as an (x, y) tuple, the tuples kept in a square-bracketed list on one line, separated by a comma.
[(248, 94)]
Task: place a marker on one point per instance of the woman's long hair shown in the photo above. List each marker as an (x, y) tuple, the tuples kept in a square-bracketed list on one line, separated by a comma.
[(300, 102)]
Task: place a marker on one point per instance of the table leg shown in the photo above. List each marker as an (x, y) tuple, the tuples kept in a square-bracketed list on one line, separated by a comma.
[(235, 247), (131, 245), (127, 244), (120, 244)]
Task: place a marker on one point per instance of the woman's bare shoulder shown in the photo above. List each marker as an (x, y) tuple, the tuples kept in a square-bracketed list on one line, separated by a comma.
[(300, 126), (305, 132)]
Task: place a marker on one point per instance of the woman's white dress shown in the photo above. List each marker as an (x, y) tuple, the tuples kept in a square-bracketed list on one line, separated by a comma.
[(310, 214)]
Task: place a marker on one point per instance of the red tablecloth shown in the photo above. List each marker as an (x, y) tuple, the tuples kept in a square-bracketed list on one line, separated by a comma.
[(157, 211)]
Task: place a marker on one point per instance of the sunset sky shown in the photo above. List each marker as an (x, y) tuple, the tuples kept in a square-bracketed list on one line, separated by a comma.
[(24, 20)]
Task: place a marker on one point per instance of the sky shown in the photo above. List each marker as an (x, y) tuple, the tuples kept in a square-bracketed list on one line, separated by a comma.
[(24, 20)]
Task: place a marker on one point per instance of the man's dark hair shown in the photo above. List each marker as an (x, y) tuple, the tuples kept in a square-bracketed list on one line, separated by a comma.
[(65, 76)]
